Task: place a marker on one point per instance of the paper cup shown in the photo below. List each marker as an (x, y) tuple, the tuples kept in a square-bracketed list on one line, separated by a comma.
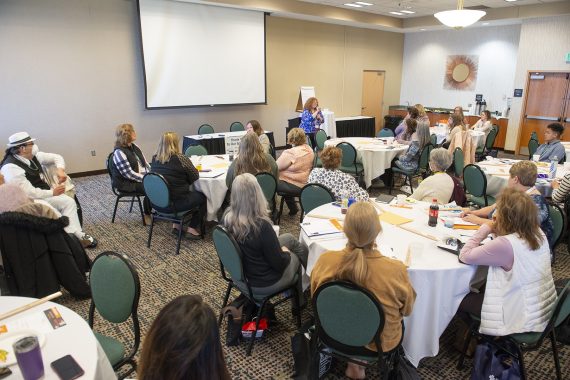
[(401, 199), (536, 157)]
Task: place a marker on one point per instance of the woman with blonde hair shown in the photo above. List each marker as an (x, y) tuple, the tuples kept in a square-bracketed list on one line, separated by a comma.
[(271, 263), (294, 167), (456, 125), (422, 114), (129, 164), (361, 263), (253, 125), (180, 173), (251, 159), (312, 117), (519, 293)]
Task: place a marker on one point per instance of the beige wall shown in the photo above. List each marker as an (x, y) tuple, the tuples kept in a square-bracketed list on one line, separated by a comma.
[(543, 45), (71, 71)]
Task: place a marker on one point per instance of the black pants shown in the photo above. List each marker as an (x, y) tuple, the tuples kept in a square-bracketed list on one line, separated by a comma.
[(472, 303), (289, 188), (139, 189), (192, 200)]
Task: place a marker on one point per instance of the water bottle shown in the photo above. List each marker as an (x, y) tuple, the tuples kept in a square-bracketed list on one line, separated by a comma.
[(343, 203), (433, 213), (553, 165)]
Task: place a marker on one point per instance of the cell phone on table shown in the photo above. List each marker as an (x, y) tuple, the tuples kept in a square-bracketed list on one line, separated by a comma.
[(67, 368)]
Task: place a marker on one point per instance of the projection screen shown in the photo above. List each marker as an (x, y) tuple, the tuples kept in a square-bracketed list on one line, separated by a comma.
[(201, 55)]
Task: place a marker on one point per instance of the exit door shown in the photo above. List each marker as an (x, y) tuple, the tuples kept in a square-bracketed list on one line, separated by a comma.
[(373, 95)]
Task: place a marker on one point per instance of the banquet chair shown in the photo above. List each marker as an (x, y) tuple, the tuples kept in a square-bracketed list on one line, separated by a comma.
[(532, 147), (320, 138), (115, 289), (231, 267), (163, 208), (523, 342), (559, 226), (348, 163), (481, 152), (344, 332), (458, 162), (205, 129), (272, 151), (236, 126), (433, 139), (423, 169), (120, 195), (534, 136), (196, 150), (268, 185), (385, 132), (312, 196), (475, 183)]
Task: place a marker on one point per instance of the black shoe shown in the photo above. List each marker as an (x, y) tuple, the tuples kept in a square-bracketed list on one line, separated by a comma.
[(294, 211), (175, 231), (191, 236)]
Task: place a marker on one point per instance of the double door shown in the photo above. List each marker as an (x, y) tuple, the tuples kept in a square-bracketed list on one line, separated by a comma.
[(547, 101)]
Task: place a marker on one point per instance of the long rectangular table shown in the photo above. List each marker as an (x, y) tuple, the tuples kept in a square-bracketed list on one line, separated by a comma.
[(353, 126), (215, 142)]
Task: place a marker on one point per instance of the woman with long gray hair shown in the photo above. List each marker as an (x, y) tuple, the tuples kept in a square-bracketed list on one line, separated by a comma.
[(270, 262)]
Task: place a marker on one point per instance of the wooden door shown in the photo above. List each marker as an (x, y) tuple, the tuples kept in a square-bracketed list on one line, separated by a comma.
[(545, 100), (373, 95)]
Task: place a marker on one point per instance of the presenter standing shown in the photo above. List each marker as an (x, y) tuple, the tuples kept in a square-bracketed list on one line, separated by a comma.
[(312, 117)]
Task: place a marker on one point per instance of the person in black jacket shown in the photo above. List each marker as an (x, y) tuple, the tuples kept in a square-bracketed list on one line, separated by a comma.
[(129, 164), (180, 173), (270, 262)]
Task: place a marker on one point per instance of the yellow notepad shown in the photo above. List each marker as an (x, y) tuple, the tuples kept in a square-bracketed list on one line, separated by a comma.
[(392, 218), (220, 165)]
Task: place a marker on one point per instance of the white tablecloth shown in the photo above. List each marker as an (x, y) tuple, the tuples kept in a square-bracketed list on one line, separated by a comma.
[(329, 126), (443, 132), (214, 189), (373, 153), (75, 339), (438, 278)]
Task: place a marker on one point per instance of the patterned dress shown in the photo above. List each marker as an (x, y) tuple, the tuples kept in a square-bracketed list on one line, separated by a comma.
[(309, 123), (410, 160), (338, 183)]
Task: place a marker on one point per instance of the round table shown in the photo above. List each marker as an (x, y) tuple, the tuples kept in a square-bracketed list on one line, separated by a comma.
[(212, 184), (443, 132), (438, 278), (75, 338), (375, 155)]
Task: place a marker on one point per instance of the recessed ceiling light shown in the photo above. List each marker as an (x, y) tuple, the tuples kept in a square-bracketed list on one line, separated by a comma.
[(485, 23), (397, 13), (422, 29), (408, 12), (353, 5), (363, 3), (510, 1)]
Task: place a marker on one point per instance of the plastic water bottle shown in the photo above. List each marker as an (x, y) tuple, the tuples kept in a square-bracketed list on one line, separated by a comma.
[(553, 165), (433, 213)]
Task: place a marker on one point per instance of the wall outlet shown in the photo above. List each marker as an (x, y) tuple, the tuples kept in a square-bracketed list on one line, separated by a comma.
[(93, 153)]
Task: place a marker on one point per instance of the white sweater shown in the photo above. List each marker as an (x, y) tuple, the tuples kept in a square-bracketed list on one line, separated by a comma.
[(522, 299)]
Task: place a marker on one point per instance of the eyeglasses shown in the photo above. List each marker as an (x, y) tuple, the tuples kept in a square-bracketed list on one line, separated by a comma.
[(29, 144)]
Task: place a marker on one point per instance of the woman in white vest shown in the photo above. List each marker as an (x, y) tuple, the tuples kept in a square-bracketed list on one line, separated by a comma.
[(519, 294)]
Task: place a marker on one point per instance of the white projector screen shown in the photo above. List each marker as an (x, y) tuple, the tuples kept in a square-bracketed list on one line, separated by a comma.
[(201, 55)]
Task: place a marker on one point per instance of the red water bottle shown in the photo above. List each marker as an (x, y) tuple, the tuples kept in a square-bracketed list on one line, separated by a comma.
[(433, 213)]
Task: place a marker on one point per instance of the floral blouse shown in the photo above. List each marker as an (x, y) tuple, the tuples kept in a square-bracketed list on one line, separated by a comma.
[(308, 122), (410, 159), (338, 183)]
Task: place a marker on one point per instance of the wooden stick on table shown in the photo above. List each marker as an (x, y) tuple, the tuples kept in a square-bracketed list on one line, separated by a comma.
[(29, 306), (417, 232), (318, 216)]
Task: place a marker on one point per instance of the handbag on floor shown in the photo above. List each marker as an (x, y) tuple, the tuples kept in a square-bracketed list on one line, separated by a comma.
[(491, 363), (404, 370)]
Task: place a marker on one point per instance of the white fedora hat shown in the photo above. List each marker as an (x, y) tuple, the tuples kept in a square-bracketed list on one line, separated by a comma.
[(19, 138)]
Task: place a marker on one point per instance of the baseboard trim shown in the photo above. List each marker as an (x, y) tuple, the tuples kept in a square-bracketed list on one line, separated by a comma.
[(87, 174), (509, 151)]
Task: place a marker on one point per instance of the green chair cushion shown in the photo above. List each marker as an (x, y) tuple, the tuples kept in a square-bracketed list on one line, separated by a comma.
[(114, 349), (526, 338), (396, 169), (318, 162), (176, 215)]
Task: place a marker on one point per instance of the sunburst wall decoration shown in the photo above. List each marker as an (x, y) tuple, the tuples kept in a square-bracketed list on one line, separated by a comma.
[(461, 72)]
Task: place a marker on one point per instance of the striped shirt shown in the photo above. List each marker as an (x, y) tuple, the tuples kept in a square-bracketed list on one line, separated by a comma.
[(559, 195), (122, 164)]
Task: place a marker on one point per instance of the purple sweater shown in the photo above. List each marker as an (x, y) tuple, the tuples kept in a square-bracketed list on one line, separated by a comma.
[(496, 253)]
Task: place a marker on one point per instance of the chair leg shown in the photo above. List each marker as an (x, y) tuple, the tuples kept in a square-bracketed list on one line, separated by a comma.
[(150, 230), (280, 210), (141, 210), (226, 298), (115, 209), (179, 238), (461, 361), (132, 203), (391, 184), (555, 355), (411, 185), (257, 319), (521, 362)]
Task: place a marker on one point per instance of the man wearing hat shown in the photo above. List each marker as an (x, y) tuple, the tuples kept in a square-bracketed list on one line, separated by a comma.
[(22, 165)]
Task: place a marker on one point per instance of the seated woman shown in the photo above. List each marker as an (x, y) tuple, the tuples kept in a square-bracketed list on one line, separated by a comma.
[(419, 139), (484, 124), (251, 159), (312, 117), (422, 115), (552, 147), (361, 263), (439, 185), (413, 113), (270, 262), (294, 167), (335, 180), (183, 343), (456, 125), (180, 173), (411, 126), (458, 110), (522, 177), (519, 294), (130, 165), (253, 125)]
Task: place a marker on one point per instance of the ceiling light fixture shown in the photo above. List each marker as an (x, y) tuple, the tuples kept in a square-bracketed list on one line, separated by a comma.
[(510, 1), (459, 18), (363, 3), (397, 13), (353, 5), (408, 12)]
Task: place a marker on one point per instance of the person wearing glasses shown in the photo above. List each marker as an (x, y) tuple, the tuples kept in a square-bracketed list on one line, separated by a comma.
[(23, 165)]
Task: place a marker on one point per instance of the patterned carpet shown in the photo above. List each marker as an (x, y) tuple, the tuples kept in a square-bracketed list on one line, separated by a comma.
[(165, 276)]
